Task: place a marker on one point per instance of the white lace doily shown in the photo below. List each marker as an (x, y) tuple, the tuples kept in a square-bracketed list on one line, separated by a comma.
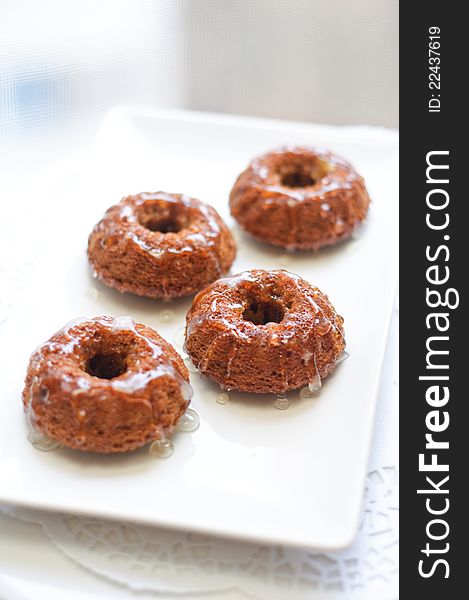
[(146, 558)]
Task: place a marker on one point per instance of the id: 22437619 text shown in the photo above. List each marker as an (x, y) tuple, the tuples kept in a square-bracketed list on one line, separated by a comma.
[(434, 60)]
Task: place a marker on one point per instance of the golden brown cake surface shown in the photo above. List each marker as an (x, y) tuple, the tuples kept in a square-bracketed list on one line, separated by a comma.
[(105, 385), (299, 198), (264, 331), (160, 245)]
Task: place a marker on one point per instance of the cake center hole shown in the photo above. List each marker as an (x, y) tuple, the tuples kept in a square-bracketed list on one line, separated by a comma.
[(261, 313), (163, 225), (297, 179), (303, 173), (107, 366), (163, 216)]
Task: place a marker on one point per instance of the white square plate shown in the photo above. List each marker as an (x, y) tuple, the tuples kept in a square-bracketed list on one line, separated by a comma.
[(292, 477)]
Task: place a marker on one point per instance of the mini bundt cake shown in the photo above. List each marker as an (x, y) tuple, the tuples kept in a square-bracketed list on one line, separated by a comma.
[(264, 331), (299, 198), (160, 245), (105, 385)]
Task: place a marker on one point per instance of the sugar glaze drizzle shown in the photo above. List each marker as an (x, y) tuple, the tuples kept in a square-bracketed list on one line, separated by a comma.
[(42, 442), (321, 325), (129, 382)]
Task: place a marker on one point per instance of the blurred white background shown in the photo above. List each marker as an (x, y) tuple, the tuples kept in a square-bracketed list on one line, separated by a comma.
[(63, 64)]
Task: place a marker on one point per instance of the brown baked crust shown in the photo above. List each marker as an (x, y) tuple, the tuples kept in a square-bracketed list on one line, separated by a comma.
[(298, 334), (299, 198), (160, 245), (65, 399)]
